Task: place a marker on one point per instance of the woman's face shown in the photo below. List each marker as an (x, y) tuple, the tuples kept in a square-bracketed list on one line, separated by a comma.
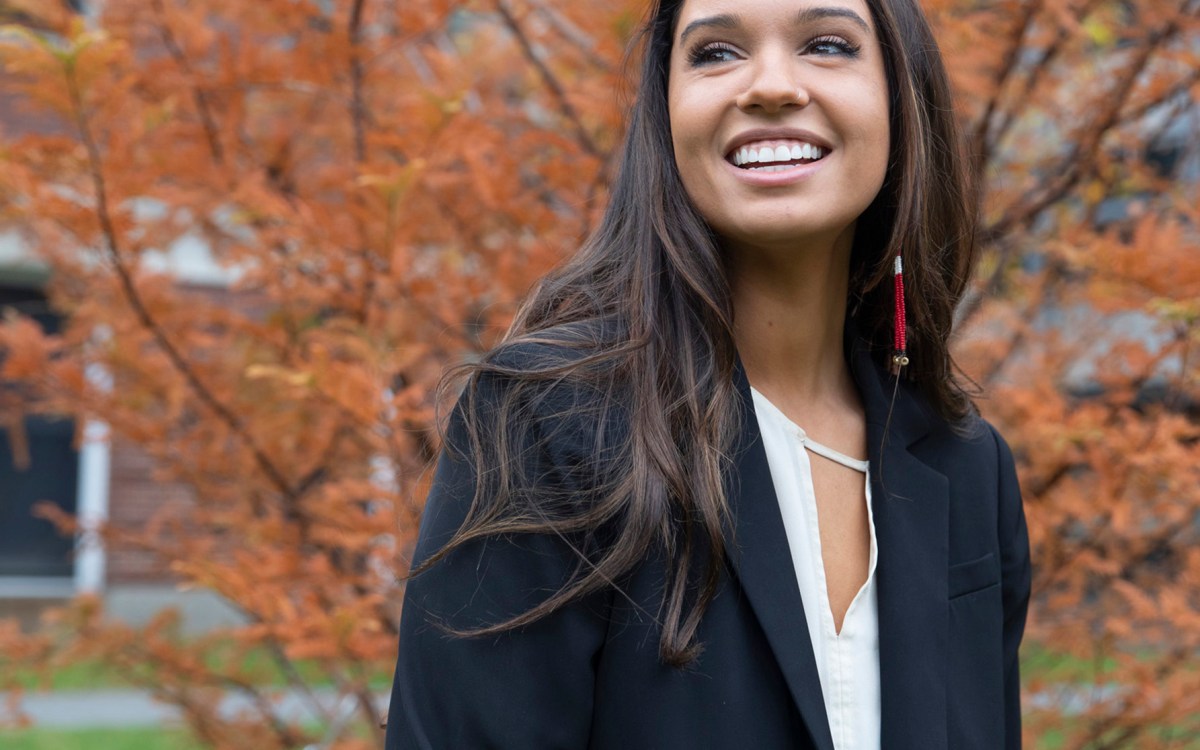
[(779, 116)]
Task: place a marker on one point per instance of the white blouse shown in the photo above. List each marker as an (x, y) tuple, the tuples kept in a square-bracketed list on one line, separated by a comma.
[(847, 663)]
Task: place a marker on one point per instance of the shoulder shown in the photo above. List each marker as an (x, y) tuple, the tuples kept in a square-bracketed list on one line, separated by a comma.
[(553, 361), (547, 398), (968, 446), (971, 452), (561, 374)]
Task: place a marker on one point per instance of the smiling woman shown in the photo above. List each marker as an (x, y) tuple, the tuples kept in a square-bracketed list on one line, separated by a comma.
[(718, 486)]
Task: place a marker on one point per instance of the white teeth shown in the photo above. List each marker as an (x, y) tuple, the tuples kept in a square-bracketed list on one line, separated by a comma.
[(771, 154)]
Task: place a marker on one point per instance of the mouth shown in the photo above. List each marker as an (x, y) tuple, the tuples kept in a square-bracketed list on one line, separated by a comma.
[(775, 155)]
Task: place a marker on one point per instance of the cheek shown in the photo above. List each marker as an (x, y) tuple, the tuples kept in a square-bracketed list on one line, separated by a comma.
[(881, 124), (873, 133), (687, 129), (691, 142), (880, 151)]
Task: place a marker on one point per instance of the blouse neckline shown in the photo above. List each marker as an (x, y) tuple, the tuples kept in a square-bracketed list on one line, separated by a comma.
[(819, 448)]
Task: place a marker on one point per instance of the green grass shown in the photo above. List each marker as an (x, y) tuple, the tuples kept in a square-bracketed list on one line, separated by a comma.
[(1051, 739), (1057, 666), (94, 675), (144, 738), (99, 739), (1054, 666), (76, 676), (1054, 738)]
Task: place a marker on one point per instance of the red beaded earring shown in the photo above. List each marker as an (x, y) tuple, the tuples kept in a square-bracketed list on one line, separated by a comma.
[(900, 327)]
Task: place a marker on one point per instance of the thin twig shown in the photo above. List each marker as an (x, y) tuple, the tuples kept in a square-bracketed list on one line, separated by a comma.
[(570, 31), (1181, 87), (199, 95), (981, 146), (357, 105), (552, 83)]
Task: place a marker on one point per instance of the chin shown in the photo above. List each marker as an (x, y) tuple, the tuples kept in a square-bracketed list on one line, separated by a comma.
[(788, 233)]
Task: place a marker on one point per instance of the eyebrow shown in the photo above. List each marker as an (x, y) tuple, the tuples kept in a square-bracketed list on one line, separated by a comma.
[(804, 17), (810, 15), (723, 21)]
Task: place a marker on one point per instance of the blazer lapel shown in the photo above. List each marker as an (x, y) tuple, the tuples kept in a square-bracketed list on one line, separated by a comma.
[(910, 502), (758, 550)]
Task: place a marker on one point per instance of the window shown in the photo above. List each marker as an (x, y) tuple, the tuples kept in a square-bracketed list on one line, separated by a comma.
[(42, 466)]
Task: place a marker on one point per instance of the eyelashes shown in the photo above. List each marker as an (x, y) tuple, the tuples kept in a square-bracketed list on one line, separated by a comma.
[(718, 52), (705, 54), (839, 45)]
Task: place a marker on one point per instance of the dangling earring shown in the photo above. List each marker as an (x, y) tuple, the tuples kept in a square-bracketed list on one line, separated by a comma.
[(900, 327)]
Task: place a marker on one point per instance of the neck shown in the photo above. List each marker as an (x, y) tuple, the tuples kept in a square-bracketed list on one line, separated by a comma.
[(789, 314)]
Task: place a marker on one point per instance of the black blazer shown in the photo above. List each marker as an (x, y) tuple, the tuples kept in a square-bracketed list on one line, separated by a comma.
[(953, 587)]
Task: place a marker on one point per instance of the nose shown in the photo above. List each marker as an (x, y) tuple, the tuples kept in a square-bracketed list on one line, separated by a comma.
[(772, 85)]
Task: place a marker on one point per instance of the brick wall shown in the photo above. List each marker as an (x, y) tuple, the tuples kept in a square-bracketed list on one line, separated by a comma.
[(135, 495)]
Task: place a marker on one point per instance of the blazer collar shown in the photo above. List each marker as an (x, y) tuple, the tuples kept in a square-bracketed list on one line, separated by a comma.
[(910, 503)]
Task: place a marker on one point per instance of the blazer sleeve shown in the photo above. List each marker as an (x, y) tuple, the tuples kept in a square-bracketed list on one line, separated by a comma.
[(1015, 579), (530, 687)]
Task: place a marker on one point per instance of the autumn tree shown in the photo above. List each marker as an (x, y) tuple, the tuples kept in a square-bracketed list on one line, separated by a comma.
[(384, 180), (1082, 332)]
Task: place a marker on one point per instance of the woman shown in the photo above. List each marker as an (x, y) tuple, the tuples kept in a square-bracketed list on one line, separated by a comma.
[(712, 491)]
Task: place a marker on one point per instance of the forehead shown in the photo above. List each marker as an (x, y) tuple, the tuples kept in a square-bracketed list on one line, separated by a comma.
[(768, 11)]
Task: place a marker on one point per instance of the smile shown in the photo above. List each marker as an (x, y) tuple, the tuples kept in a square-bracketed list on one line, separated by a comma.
[(775, 155)]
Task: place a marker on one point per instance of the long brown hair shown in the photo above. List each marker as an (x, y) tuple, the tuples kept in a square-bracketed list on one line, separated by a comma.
[(633, 338)]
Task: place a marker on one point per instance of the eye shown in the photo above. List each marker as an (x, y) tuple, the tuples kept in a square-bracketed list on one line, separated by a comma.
[(832, 45), (708, 54)]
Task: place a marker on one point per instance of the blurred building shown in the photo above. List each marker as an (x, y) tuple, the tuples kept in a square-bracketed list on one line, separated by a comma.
[(80, 468)]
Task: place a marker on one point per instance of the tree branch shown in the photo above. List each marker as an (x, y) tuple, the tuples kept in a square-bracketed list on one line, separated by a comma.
[(199, 95), (981, 146), (1180, 88), (548, 78), (133, 296), (577, 36), (1077, 164), (357, 104), (1035, 75)]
